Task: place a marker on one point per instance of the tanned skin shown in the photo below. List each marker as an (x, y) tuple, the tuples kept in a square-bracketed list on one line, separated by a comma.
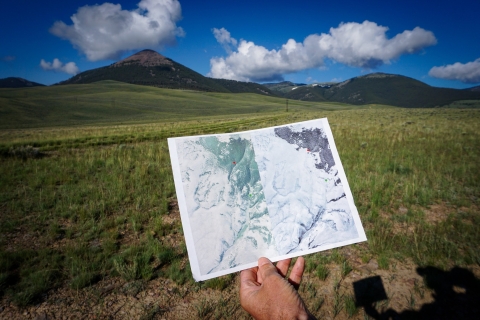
[(266, 293)]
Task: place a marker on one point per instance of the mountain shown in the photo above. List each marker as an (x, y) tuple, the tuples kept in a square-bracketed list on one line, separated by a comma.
[(281, 87), (150, 68), (13, 82), (382, 88), (477, 89), (234, 86), (286, 86)]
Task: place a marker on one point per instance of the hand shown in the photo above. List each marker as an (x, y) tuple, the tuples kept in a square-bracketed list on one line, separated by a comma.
[(266, 294)]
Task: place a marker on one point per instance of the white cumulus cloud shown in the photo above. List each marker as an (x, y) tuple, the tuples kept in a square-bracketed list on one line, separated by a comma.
[(223, 37), (465, 72), (363, 45), (106, 31), (58, 66)]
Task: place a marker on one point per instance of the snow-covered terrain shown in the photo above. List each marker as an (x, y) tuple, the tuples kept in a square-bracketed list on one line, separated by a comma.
[(305, 198), (272, 192), (225, 201)]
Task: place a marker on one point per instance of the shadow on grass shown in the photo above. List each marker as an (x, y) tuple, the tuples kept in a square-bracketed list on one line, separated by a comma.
[(22, 152), (456, 294)]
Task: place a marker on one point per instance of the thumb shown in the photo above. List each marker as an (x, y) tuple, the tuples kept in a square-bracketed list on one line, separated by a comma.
[(265, 269)]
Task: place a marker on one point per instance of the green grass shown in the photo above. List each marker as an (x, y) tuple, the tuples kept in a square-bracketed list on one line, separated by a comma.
[(204, 308), (346, 269), (110, 102), (97, 203), (462, 104), (219, 283), (350, 306), (413, 160), (322, 272)]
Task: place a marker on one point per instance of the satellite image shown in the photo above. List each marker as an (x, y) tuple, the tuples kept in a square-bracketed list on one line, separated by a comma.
[(274, 192)]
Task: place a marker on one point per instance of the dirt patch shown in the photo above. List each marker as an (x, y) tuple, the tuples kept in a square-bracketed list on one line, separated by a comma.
[(433, 214), (173, 221), (406, 292), (117, 299), (22, 238), (437, 213)]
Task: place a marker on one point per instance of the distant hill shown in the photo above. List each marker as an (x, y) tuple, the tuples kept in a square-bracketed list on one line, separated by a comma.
[(477, 89), (281, 87), (113, 102), (382, 88), (13, 82), (243, 87), (150, 68), (286, 86)]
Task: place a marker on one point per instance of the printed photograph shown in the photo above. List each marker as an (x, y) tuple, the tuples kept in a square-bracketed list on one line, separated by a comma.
[(273, 192)]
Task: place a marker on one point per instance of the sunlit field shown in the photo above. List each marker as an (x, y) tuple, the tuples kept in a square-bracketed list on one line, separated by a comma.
[(89, 223)]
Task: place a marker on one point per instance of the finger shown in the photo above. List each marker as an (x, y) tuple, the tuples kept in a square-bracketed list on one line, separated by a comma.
[(265, 269), (248, 278), (282, 266), (248, 285), (297, 272)]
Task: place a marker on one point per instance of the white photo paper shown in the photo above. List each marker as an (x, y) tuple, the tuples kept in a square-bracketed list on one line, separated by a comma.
[(278, 192)]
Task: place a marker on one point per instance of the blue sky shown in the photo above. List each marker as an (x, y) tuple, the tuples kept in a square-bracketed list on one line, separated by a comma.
[(300, 41)]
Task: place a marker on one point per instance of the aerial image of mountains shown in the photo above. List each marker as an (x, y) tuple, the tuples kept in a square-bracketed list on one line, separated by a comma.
[(150, 68)]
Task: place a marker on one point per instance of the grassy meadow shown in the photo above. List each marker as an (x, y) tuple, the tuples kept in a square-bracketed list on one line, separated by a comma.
[(111, 102), (87, 196)]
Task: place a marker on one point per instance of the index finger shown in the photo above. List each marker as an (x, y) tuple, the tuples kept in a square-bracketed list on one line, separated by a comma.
[(282, 266), (297, 272), (248, 277)]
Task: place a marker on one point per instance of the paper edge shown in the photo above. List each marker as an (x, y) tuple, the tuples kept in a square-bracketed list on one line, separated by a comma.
[(182, 206), (186, 222), (345, 183)]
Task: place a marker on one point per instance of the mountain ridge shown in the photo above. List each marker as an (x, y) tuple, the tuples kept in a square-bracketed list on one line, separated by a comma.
[(16, 82), (383, 88), (476, 88), (150, 68)]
